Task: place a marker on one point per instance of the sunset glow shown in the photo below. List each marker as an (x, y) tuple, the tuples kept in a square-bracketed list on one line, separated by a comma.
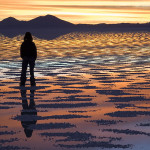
[(93, 12), (97, 11)]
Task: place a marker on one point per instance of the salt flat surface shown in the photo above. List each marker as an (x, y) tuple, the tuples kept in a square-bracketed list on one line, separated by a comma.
[(92, 94)]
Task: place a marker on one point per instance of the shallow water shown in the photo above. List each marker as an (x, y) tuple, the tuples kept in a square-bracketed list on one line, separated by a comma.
[(92, 92), (82, 44)]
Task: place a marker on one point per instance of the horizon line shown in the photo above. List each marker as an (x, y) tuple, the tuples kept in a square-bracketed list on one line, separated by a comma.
[(74, 23)]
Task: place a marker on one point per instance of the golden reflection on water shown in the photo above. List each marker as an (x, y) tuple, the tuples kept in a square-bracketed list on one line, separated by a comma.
[(113, 91), (82, 44)]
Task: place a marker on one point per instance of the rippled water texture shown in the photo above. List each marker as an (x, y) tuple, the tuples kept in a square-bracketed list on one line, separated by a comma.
[(82, 44), (92, 92)]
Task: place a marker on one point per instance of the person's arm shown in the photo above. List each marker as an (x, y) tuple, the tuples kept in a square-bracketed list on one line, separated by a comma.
[(21, 51), (35, 51)]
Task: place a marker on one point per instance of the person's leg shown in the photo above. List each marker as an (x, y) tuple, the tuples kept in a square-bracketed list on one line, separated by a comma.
[(23, 72), (32, 64)]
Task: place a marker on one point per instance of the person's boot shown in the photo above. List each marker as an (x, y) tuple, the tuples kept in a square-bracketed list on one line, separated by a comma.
[(22, 83), (32, 81)]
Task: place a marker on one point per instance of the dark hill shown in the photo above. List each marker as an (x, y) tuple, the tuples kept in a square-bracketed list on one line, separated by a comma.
[(9, 20), (39, 22), (49, 21), (50, 27)]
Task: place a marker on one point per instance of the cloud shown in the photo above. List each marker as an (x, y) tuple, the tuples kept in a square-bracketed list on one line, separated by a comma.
[(93, 7)]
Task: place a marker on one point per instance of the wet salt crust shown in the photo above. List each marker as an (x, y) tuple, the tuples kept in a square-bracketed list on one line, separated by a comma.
[(92, 92)]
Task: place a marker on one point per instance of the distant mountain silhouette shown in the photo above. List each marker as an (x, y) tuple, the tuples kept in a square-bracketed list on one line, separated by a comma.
[(46, 27), (120, 27), (39, 22), (9, 20), (50, 27), (50, 21)]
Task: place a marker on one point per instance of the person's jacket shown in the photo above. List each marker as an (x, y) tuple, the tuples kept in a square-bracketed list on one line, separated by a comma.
[(28, 49)]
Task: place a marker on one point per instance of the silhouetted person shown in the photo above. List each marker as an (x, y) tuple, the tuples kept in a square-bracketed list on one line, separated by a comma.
[(28, 53), (29, 111)]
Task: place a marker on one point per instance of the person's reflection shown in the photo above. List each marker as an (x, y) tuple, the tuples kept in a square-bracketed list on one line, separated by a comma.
[(28, 112)]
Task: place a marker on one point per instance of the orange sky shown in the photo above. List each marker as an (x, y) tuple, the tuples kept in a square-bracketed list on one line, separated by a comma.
[(79, 11)]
